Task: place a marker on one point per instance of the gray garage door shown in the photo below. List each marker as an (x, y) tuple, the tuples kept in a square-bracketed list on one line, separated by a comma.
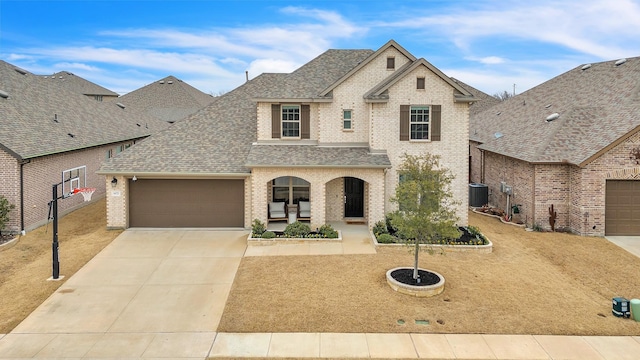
[(622, 208), (186, 203)]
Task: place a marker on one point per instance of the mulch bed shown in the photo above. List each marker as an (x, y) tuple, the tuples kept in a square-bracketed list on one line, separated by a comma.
[(405, 276)]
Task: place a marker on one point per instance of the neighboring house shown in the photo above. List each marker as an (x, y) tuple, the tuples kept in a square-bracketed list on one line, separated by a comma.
[(332, 133), (169, 99), (47, 128), (572, 142), (82, 86)]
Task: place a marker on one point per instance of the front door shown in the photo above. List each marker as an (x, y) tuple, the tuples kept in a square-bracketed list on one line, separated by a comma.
[(353, 197)]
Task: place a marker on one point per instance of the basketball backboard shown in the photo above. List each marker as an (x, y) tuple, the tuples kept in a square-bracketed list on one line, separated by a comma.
[(73, 179)]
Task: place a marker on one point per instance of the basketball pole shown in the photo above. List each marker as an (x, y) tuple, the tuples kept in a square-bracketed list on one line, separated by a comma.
[(54, 245)]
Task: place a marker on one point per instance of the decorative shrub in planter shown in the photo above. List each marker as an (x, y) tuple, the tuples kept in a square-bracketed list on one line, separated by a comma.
[(293, 231)]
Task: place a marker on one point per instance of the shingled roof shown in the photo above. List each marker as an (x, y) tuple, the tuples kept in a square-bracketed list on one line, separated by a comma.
[(315, 156), (217, 139), (79, 84), (39, 117), (484, 100), (169, 99), (597, 105)]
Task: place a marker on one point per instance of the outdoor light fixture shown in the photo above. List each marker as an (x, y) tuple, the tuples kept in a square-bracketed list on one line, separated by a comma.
[(114, 182), (134, 178)]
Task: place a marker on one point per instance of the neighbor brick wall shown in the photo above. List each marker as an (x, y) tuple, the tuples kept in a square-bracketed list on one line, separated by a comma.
[(10, 188), (553, 187), (615, 164), (476, 163), (516, 173)]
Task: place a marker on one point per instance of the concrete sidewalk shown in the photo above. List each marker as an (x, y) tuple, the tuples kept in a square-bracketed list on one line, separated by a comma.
[(161, 293)]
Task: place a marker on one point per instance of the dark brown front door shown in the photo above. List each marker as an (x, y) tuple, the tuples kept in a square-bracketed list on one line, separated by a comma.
[(186, 203), (354, 197)]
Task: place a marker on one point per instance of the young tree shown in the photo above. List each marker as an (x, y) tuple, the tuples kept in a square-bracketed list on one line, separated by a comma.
[(5, 208), (425, 203)]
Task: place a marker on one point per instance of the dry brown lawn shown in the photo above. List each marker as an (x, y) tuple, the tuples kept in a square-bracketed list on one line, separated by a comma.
[(25, 267), (532, 283)]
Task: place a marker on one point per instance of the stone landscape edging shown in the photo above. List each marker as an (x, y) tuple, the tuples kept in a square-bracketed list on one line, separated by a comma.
[(483, 249), (9, 244), (499, 218), (280, 240)]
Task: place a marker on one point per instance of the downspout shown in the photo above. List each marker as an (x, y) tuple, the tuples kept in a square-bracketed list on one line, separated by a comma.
[(481, 166), (22, 227)]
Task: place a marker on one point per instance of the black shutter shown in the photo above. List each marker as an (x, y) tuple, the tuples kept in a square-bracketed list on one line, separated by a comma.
[(276, 119), (404, 122), (305, 122), (435, 122)]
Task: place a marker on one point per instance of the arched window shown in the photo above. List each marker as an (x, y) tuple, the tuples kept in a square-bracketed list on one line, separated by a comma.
[(290, 189)]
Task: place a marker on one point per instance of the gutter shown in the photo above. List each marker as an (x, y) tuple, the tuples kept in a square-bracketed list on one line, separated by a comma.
[(165, 175)]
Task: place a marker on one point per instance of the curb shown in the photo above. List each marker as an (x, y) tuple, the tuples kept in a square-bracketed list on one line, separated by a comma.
[(9, 244)]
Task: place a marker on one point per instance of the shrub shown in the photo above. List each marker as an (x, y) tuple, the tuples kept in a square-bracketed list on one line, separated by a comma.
[(268, 235), (258, 228), (297, 230), (328, 232), (380, 228), (5, 209), (386, 239)]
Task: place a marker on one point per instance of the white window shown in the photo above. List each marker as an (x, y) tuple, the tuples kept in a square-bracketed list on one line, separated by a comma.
[(291, 121), (419, 123), (346, 120)]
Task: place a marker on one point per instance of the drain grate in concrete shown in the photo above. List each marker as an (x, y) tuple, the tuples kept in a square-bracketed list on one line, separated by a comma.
[(422, 322)]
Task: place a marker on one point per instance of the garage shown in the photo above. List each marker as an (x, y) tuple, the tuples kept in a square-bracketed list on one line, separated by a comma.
[(186, 203), (622, 208)]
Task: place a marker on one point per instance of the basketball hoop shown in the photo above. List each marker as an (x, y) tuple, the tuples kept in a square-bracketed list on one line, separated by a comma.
[(86, 192)]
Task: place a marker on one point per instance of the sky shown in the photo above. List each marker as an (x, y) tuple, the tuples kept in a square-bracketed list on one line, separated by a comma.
[(495, 46)]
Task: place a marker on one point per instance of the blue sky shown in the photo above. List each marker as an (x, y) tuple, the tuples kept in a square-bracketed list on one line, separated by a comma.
[(491, 45)]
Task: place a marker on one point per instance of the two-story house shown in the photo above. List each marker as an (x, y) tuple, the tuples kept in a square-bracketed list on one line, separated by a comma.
[(330, 134)]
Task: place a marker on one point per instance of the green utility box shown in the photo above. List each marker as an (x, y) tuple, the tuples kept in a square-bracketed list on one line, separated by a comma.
[(635, 309), (621, 307)]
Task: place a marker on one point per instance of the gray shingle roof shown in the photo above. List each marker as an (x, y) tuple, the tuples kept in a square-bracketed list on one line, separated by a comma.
[(28, 117), (169, 99), (597, 105), (309, 80), (79, 84), (314, 156), (218, 138), (485, 101)]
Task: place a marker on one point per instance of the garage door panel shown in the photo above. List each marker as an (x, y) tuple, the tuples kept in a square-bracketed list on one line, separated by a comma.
[(186, 203), (622, 207)]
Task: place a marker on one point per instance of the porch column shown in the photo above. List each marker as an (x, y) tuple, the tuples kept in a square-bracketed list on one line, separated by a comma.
[(259, 196), (317, 198), (376, 199)]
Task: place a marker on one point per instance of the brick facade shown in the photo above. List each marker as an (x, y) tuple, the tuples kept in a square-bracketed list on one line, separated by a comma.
[(577, 194), (39, 175)]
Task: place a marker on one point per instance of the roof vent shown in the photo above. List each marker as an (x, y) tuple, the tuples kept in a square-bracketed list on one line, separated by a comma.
[(21, 71), (620, 62), (499, 112), (55, 118), (547, 106), (71, 135), (138, 125), (552, 117), (161, 81), (4, 94), (585, 67), (498, 135), (121, 105), (170, 82)]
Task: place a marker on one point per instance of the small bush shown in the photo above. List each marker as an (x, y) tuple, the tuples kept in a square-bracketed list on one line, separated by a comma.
[(386, 239), (258, 228), (328, 232), (380, 228), (473, 230), (268, 235), (5, 209), (297, 230)]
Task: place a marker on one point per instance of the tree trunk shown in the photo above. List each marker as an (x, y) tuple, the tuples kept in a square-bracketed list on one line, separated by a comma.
[(416, 277)]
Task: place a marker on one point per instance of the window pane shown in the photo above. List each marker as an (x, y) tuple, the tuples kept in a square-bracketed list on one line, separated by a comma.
[(300, 194), (346, 114), (281, 194), (298, 181), (347, 124), (284, 181), (419, 131)]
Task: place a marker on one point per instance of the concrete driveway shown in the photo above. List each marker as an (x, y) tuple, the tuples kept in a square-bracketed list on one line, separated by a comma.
[(150, 293)]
